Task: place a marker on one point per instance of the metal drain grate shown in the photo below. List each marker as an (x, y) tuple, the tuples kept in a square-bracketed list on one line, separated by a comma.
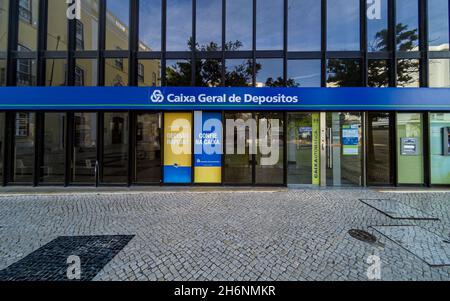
[(362, 236)]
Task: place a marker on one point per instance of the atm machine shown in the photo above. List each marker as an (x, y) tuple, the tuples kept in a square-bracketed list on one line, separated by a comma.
[(446, 141)]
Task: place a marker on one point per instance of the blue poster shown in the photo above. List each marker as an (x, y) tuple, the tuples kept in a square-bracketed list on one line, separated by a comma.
[(208, 147)]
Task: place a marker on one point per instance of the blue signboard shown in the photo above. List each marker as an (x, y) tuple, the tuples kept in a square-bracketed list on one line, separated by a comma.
[(223, 98)]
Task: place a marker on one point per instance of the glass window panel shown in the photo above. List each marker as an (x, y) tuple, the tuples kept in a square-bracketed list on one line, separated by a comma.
[(2, 72), (269, 73), (343, 17), (4, 9), (57, 25), (2, 142), (269, 24), (304, 73), (239, 164), (440, 148), (410, 148), (208, 73), (148, 148), (116, 72), (150, 25), (238, 73), (379, 149), (179, 73), (117, 24), (304, 25), (28, 24), (269, 168), (87, 28), (56, 71), (344, 149), (239, 24), (407, 25), (408, 73), (209, 25), (24, 147), (438, 25), (52, 163), (26, 72), (86, 72), (300, 148), (179, 25), (439, 70), (84, 153), (343, 73), (115, 148), (378, 73), (149, 73), (377, 25)]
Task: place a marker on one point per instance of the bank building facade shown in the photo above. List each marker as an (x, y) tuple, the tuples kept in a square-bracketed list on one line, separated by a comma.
[(352, 93)]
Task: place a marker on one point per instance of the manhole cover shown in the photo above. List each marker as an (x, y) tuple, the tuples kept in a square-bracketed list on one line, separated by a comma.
[(362, 236)]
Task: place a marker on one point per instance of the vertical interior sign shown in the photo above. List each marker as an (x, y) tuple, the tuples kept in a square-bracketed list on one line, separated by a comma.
[(350, 140), (208, 147), (315, 149), (177, 148)]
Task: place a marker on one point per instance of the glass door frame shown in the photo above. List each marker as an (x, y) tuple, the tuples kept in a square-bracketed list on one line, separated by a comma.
[(9, 150), (253, 161), (425, 149), (40, 136), (133, 115), (324, 129), (392, 148), (70, 144)]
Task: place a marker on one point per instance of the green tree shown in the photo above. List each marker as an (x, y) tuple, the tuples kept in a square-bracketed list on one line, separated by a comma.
[(208, 73), (407, 70), (347, 72)]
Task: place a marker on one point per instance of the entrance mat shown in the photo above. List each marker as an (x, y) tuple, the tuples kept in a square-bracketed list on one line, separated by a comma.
[(397, 210), (427, 246), (50, 262)]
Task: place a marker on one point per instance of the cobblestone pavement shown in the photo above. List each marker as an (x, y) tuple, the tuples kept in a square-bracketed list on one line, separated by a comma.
[(223, 235)]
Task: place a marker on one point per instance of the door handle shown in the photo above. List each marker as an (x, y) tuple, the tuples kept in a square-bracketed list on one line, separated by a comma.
[(329, 147)]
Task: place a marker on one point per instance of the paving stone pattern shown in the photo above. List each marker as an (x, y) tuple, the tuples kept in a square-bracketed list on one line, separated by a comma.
[(396, 209), (226, 235), (49, 263), (426, 245)]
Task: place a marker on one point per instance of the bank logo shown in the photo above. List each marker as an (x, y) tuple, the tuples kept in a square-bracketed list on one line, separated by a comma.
[(157, 96)]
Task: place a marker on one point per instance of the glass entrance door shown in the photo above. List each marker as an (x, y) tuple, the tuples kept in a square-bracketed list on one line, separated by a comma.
[(303, 148), (344, 149), (269, 168), (148, 148), (239, 162), (84, 153), (379, 149)]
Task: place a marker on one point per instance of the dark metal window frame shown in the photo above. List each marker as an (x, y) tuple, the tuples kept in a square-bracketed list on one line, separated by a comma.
[(79, 35), (134, 55)]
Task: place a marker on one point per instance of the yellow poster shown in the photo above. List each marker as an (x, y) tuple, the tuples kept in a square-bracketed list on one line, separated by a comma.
[(177, 147)]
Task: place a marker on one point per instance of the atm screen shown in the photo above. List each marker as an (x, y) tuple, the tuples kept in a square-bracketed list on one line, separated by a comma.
[(446, 142)]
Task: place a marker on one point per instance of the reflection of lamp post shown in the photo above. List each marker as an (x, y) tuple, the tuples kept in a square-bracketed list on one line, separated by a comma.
[(58, 38)]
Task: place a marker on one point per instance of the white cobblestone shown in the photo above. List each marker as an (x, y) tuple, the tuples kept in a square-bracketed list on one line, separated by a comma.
[(282, 235)]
